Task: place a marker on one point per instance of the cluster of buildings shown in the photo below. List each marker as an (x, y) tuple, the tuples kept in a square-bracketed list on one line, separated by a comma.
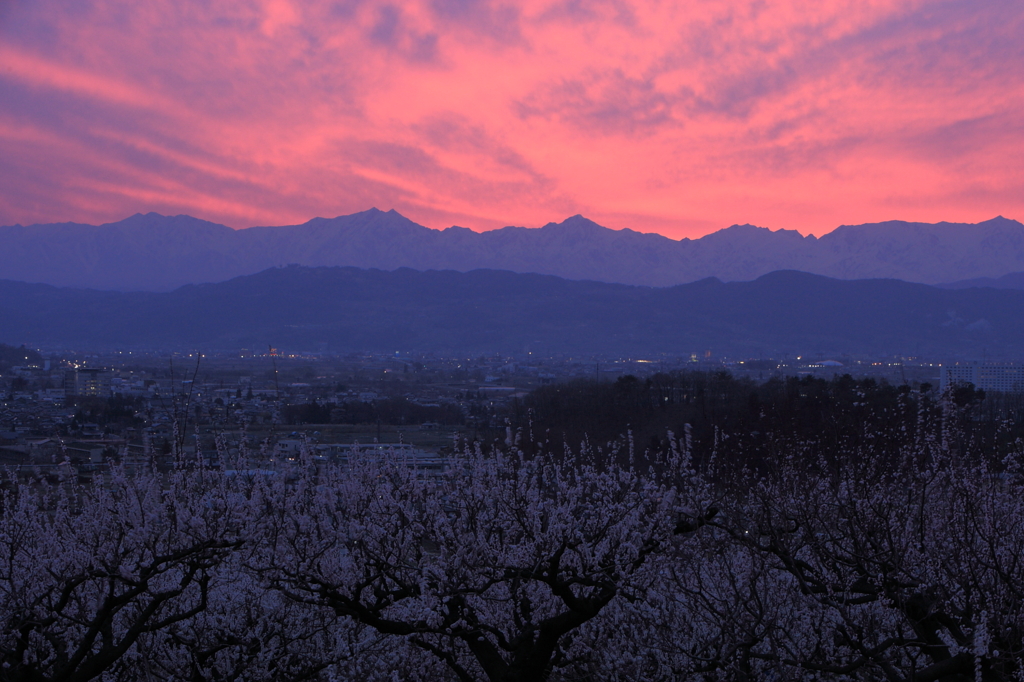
[(92, 408), (1000, 377)]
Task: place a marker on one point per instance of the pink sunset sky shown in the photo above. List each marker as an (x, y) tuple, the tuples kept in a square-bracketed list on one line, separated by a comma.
[(673, 117)]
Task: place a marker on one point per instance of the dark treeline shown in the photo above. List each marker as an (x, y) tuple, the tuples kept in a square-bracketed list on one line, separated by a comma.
[(740, 417), (12, 356), (113, 413)]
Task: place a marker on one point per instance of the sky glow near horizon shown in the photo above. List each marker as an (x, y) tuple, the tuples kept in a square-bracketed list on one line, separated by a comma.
[(656, 116)]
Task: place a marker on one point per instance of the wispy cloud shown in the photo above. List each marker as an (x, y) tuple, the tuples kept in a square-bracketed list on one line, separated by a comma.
[(656, 116)]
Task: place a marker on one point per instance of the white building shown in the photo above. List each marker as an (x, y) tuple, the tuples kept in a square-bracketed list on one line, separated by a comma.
[(987, 376)]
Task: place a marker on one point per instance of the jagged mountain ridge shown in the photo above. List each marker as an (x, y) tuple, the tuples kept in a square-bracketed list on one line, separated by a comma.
[(349, 309), (152, 252)]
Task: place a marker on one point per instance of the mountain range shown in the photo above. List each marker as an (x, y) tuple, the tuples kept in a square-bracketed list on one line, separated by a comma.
[(152, 252), (1013, 280), (349, 309)]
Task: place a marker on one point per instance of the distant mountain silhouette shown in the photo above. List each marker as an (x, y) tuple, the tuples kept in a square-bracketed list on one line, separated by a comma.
[(159, 253), (348, 309), (1013, 280)]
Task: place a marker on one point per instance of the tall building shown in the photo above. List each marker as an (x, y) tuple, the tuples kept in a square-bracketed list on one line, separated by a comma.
[(88, 381), (987, 376)]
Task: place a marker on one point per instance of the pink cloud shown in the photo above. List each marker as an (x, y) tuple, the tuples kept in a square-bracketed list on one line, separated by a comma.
[(655, 116)]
